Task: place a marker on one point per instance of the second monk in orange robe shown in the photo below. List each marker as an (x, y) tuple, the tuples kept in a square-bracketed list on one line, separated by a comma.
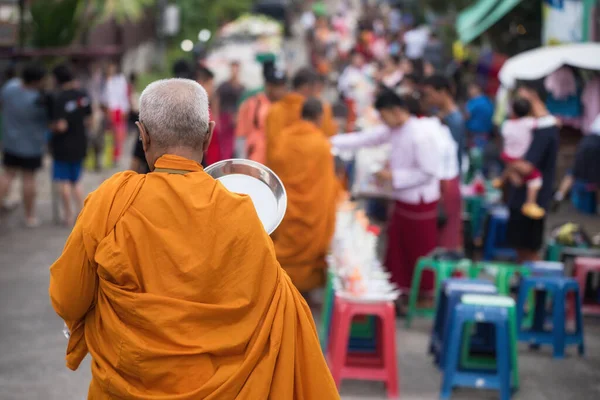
[(171, 283), (306, 167)]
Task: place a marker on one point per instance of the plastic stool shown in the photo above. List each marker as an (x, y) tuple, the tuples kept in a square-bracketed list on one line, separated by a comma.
[(558, 287), (583, 199), (450, 295), (341, 368), (490, 309), (496, 237), (583, 267), (443, 269)]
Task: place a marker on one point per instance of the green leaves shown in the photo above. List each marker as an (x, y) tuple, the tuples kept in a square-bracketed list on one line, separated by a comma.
[(54, 22), (122, 10)]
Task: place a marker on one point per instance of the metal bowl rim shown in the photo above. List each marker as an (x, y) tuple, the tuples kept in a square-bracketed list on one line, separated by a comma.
[(260, 167)]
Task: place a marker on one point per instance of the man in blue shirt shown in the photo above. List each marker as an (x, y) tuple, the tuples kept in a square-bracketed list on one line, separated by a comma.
[(438, 93), (24, 127), (480, 111)]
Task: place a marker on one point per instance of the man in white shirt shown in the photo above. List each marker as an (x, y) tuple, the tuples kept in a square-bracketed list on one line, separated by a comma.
[(412, 172)]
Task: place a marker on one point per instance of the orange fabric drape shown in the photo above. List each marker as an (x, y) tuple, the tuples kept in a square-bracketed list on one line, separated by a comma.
[(305, 165), (172, 285), (286, 112)]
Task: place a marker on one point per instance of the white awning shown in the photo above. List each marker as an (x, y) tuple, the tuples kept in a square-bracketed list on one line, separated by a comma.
[(540, 62)]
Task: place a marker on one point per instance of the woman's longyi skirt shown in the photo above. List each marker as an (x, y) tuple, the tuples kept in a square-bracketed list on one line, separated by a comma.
[(450, 235), (412, 233)]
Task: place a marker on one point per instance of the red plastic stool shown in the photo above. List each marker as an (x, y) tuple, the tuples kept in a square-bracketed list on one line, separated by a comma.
[(379, 367), (583, 267)]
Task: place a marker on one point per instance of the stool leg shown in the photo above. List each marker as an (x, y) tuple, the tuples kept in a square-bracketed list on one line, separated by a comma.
[(579, 321), (451, 359), (327, 311), (415, 288), (340, 337), (539, 314), (522, 298), (389, 353), (558, 322), (503, 363)]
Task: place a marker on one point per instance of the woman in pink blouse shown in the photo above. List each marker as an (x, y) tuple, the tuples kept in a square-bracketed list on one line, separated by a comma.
[(413, 174)]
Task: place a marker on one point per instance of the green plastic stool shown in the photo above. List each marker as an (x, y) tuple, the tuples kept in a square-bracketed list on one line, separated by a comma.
[(554, 251), (469, 361), (443, 269)]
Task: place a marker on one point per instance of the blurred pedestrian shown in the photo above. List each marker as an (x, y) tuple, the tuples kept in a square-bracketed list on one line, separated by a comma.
[(438, 93), (71, 118), (229, 94), (206, 78), (116, 100), (24, 128), (479, 114), (252, 116)]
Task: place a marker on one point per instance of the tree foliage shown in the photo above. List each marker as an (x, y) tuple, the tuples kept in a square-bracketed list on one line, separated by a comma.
[(56, 23), (208, 14)]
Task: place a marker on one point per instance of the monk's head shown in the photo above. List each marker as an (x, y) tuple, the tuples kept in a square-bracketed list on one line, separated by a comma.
[(305, 82), (395, 109), (174, 119), (312, 111)]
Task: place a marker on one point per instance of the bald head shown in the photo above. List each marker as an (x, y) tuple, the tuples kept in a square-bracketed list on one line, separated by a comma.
[(174, 113)]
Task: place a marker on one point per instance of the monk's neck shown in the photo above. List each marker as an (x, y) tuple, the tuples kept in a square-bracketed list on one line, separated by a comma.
[(185, 152)]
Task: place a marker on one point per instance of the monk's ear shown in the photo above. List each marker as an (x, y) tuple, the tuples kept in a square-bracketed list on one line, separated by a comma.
[(144, 137), (209, 135)]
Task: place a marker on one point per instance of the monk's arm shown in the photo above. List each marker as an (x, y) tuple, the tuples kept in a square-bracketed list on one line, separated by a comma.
[(427, 166), (330, 126), (352, 141), (73, 279)]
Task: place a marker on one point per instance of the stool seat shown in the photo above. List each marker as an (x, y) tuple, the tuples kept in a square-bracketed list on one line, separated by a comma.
[(558, 288), (554, 268)]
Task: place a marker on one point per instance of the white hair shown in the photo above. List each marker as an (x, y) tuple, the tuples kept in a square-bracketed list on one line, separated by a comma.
[(175, 112)]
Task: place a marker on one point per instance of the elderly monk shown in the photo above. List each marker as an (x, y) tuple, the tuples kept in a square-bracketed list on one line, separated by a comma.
[(171, 283), (287, 111), (306, 167)]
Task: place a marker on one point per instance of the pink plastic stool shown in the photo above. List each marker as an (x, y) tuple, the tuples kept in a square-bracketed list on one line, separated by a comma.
[(379, 367), (583, 267)]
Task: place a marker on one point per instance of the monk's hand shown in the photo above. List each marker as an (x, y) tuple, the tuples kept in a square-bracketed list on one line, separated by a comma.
[(384, 177)]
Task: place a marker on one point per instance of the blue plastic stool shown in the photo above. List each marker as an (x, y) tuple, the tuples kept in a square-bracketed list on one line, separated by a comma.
[(583, 199), (451, 292), (495, 310), (495, 241), (558, 288)]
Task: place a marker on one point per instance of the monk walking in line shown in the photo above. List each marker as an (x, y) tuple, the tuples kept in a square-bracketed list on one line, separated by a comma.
[(171, 283), (306, 167)]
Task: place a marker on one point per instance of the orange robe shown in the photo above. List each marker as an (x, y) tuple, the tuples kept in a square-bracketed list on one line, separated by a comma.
[(306, 168), (252, 118), (286, 112), (172, 285)]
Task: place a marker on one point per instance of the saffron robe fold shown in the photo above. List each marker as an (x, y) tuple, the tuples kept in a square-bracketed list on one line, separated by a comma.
[(305, 166), (172, 285)]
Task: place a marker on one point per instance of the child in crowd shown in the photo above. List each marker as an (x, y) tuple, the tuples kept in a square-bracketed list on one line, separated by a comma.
[(518, 135), (71, 112)]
